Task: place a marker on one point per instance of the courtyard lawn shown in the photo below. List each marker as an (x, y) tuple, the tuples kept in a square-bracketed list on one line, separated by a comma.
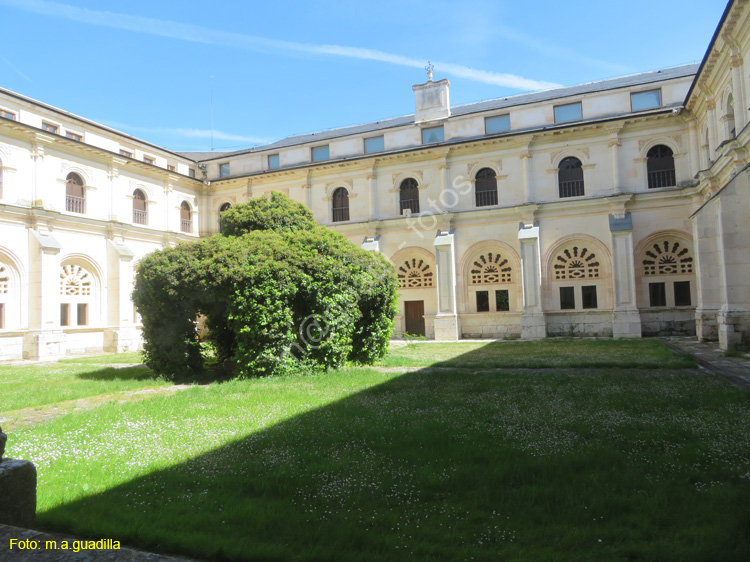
[(129, 357), (551, 353), (36, 385), (382, 464)]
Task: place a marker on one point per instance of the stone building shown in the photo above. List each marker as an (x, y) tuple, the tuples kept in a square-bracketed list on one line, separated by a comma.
[(614, 208)]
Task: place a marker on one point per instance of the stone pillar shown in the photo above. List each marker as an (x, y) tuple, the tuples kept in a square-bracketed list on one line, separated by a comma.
[(626, 320), (113, 173), (533, 320), (205, 224), (446, 321), (45, 339), (738, 89), (711, 124), (527, 179), (121, 335), (371, 243), (707, 307), (614, 146), (372, 184)]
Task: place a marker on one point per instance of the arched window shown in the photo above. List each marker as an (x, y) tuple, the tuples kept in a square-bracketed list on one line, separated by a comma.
[(140, 213), (76, 295), (731, 132), (186, 217), (340, 205), (490, 274), (75, 197), (414, 273), (485, 187), (224, 207), (576, 262), (577, 267), (660, 167), (570, 177), (409, 196), (668, 268)]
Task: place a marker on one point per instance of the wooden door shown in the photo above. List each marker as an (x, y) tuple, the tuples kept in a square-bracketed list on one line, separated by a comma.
[(415, 318)]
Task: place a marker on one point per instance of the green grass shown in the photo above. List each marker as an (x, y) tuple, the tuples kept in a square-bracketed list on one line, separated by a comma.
[(130, 357), (360, 464), (552, 353), (30, 386)]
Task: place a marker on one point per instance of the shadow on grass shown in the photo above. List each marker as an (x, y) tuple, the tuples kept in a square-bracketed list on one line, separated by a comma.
[(136, 373), (212, 374), (440, 466)]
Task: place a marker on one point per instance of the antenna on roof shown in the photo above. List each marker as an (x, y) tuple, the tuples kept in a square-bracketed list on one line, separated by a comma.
[(212, 113)]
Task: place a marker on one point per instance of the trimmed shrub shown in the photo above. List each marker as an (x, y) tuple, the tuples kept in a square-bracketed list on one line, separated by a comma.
[(279, 294)]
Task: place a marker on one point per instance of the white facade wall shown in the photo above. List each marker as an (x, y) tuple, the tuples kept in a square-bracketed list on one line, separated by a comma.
[(619, 260)]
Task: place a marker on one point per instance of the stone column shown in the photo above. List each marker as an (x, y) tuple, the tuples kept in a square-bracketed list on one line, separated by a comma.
[(203, 208), (738, 89), (626, 320), (707, 307), (528, 190), (121, 335), (711, 123), (45, 339), (533, 320), (372, 185), (446, 321), (614, 146)]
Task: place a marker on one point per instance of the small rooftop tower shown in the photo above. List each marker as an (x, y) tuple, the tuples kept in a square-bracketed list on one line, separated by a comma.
[(431, 99)]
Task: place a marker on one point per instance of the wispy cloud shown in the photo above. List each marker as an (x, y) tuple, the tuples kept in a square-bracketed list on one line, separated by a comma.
[(556, 51), (10, 64), (198, 34), (186, 133)]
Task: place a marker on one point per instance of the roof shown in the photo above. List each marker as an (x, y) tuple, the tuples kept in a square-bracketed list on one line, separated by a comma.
[(489, 105)]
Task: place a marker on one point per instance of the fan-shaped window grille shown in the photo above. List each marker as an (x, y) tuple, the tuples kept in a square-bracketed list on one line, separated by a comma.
[(414, 273), (577, 262), (668, 258), (490, 268), (75, 281)]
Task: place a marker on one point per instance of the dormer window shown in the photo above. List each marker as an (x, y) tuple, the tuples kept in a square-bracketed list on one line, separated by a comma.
[(50, 128), (273, 161), (148, 160), (433, 134), (568, 112), (374, 144), (497, 124), (224, 170), (640, 101), (320, 153)]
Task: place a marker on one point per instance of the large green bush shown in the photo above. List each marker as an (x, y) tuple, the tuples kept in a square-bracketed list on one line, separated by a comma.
[(279, 293)]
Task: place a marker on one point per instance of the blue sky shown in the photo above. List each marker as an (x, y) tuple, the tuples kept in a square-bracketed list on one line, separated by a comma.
[(282, 68)]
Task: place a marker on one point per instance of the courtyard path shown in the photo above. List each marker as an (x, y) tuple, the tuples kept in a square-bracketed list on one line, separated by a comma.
[(23, 417)]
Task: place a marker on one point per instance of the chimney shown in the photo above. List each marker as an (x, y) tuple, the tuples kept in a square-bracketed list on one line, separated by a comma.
[(431, 100)]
